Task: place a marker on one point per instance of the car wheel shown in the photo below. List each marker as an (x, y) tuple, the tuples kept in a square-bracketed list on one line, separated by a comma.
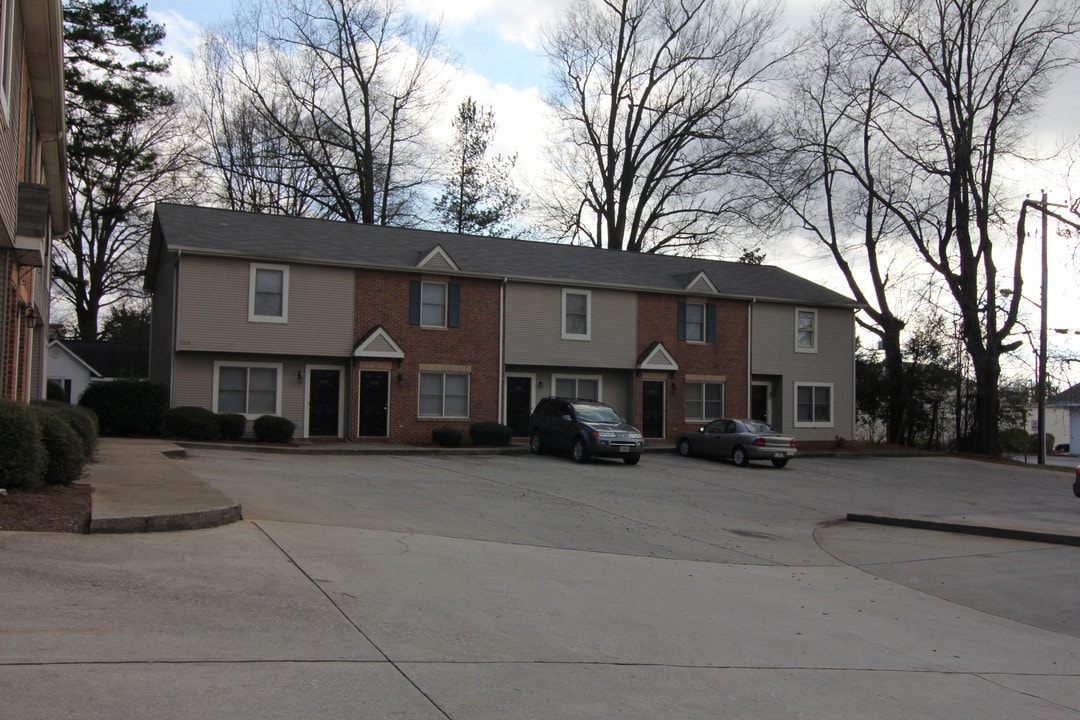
[(536, 443), (684, 448), (740, 457), (632, 459), (779, 462), (579, 451)]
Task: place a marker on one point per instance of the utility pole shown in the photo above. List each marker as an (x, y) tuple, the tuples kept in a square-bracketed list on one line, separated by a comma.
[(1041, 383)]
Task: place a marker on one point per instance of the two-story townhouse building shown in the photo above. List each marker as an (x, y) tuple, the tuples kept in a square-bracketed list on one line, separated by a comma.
[(370, 333), (33, 186)]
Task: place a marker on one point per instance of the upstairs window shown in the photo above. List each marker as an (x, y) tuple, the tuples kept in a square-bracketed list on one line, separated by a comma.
[(806, 331), (697, 322), (434, 304), (576, 311), (268, 298), (7, 54)]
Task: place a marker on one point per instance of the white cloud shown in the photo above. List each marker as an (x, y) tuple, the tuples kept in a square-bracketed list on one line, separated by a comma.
[(517, 21)]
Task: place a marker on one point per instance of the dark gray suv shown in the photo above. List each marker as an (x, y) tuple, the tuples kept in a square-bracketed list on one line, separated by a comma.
[(586, 428)]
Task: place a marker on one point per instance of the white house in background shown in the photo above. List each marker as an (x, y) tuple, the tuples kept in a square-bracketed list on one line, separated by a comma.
[(74, 364), (1070, 401)]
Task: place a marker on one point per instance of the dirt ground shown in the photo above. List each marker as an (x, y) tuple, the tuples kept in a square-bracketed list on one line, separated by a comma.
[(53, 508)]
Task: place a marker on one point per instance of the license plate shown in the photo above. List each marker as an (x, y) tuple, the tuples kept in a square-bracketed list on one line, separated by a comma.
[(624, 449), (780, 455)]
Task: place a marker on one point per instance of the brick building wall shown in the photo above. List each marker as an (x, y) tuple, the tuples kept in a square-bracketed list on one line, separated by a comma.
[(726, 357), (382, 299)]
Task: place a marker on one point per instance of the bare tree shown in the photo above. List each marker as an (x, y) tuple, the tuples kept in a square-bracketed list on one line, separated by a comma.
[(826, 175), (656, 98), (344, 89)]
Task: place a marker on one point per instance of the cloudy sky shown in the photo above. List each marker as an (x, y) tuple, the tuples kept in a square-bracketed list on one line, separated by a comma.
[(496, 43)]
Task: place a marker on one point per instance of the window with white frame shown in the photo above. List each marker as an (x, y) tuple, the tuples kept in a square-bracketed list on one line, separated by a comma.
[(576, 312), (813, 405), (584, 388), (268, 296), (247, 389), (805, 330), (444, 394), (695, 322), (433, 304), (704, 400), (7, 53)]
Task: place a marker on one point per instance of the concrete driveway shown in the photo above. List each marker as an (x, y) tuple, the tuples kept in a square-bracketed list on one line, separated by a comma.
[(529, 587)]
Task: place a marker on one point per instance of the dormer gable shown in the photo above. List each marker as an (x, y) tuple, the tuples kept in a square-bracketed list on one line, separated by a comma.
[(656, 357), (702, 285), (437, 259), (378, 344)]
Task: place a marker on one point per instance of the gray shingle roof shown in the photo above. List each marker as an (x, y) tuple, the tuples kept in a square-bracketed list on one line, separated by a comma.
[(305, 240), (1068, 398)]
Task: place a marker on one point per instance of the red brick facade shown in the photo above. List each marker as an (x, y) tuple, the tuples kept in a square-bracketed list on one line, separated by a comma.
[(382, 299), (726, 357)]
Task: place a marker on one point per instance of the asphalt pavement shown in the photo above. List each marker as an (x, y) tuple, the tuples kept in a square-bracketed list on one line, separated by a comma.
[(472, 587)]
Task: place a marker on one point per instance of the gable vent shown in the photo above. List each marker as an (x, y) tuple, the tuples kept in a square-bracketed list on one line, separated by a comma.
[(437, 259)]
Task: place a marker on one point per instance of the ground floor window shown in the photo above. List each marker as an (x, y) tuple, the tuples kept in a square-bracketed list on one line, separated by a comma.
[(248, 389), (583, 388), (444, 395), (704, 400), (813, 405)]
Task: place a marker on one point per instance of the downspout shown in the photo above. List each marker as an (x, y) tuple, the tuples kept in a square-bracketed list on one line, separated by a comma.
[(502, 341), (750, 356), (174, 341)]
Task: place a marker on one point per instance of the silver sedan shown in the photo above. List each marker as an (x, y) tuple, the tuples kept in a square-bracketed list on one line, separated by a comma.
[(739, 440)]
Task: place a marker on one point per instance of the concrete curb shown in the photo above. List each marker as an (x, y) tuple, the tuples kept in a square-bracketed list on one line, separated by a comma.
[(168, 522), (1056, 538)]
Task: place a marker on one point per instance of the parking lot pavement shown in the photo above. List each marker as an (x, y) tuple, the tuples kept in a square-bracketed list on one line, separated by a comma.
[(495, 587)]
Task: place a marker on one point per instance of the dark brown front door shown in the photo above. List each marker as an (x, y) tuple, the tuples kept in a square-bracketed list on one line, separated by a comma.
[(652, 408), (324, 404), (518, 398), (374, 402)]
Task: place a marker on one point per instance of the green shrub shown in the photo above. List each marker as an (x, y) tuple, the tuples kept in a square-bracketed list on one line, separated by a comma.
[(232, 425), (65, 451), (22, 454), (1013, 440), (82, 420), (446, 437), (272, 428), (127, 407), (190, 423), (490, 433)]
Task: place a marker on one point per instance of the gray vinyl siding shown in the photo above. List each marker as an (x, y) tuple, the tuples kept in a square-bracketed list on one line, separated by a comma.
[(616, 386), (213, 316), (773, 354), (534, 328), (193, 382)]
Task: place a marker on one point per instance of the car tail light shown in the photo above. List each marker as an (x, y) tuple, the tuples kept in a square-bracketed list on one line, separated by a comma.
[(792, 442), (760, 442)]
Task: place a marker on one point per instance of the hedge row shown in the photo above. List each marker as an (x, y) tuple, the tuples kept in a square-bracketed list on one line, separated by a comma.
[(481, 433), (46, 442)]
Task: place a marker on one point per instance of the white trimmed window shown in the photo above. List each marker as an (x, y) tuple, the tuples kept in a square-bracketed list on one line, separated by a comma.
[(433, 304), (587, 387), (444, 395), (704, 400), (253, 389), (806, 330), (576, 314), (695, 322), (813, 405), (7, 54), (268, 295)]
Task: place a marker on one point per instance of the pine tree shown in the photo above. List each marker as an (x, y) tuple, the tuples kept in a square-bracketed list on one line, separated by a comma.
[(480, 198), (120, 127)]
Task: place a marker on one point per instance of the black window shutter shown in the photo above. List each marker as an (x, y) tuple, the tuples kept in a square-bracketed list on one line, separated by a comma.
[(682, 321), (453, 305), (710, 323)]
